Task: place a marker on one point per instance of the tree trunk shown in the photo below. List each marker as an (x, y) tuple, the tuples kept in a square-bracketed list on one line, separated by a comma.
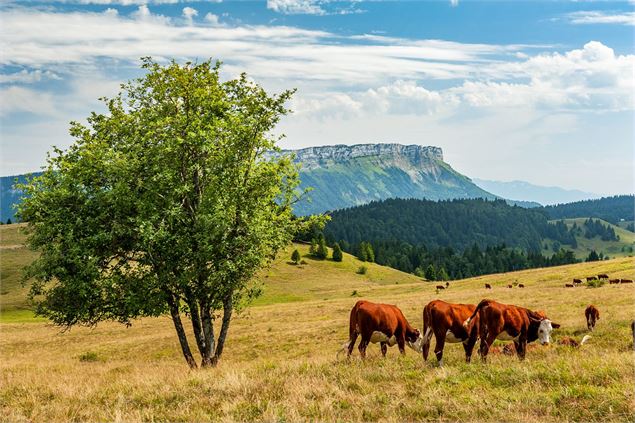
[(208, 331), (195, 316), (178, 325), (227, 315)]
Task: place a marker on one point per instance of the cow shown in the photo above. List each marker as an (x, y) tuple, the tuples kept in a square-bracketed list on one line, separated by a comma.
[(568, 285), (445, 321), (633, 330), (591, 278), (614, 281), (592, 315), (567, 341), (577, 280), (383, 323), (488, 286), (440, 287), (520, 285), (510, 286), (626, 281), (447, 284), (509, 322), (603, 276)]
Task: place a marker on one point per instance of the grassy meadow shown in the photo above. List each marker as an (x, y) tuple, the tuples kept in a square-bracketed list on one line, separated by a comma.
[(280, 359)]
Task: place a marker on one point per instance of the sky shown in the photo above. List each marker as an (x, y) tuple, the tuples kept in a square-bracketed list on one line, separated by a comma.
[(538, 91)]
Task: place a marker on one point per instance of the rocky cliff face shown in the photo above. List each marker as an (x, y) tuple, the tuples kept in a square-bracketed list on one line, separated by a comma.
[(344, 176)]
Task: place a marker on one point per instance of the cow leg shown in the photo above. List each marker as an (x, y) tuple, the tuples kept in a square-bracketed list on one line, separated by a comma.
[(468, 346), (351, 345), (521, 348), (425, 348), (362, 346), (486, 342), (438, 348), (401, 343), (384, 348)]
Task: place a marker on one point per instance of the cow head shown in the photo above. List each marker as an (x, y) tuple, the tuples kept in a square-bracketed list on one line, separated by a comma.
[(414, 340), (541, 326)]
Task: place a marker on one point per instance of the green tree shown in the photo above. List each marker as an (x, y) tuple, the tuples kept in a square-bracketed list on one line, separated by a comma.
[(8, 221), (442, 274), (593, 256), (431, 273), (337, 252), (295, 256), (322, 251), (175, 205)]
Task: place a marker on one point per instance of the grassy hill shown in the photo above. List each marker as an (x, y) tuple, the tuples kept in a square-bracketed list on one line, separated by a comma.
[(621, 248), (280, 364)]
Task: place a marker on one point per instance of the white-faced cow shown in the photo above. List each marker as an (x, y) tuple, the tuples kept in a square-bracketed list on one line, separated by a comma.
[(380, 323), (509, 323), (445, 322)]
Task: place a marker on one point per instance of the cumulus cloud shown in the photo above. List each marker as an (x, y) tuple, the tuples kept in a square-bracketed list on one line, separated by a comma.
[(596, 17), (189, 13), (26, 76), (296, 7), (212, 19)]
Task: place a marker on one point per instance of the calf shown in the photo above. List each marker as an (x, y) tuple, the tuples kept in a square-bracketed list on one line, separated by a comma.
[(626, 281), (592, 315), (520, 285), (488, 286), (383, 323), (603, 276), (568, 285), (445, 321), (570, 342), (509, 322), (440, 287)]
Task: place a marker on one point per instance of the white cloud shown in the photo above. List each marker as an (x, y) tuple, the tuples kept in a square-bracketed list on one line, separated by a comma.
[(26, 76), (296, 7), (454, 3), (17, 99), (212, 19), (595, 17), (189, 13)]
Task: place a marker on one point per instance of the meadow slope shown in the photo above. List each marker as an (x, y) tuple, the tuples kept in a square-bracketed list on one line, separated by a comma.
[(280, 363)]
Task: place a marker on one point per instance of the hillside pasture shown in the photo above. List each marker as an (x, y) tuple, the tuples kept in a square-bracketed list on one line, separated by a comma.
[(280, 359)]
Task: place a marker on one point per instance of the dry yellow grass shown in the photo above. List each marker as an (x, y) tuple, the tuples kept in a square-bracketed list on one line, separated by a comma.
[(280, 364)]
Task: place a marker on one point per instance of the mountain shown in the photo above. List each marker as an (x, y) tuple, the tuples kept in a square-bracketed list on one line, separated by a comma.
[(524, 191), (616, 209), (343, 176), (9, 196)]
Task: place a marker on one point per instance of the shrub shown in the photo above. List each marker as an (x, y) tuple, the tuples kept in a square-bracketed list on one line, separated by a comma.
[(362, 270), (596, 283), (89, 356), (295, 256), (337, 252)]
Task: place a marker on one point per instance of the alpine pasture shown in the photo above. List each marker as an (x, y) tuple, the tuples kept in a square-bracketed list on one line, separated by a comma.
[(280, 360)]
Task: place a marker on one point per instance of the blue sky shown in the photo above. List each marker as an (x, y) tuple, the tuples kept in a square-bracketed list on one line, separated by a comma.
[(540, 91)]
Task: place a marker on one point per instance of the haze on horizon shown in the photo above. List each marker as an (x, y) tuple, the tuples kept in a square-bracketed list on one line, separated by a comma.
[(541, 92)]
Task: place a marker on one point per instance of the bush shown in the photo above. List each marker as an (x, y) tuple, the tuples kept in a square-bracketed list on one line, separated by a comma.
[(354, 293), (337, 252), (295, 256), (596, 283), (89, 357), (362, 270)]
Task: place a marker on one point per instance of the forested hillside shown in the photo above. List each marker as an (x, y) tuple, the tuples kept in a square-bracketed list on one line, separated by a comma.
[(450, 239), (612, 209)]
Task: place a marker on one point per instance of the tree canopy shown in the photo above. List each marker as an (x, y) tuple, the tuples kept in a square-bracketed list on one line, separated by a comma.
[(168, 203)]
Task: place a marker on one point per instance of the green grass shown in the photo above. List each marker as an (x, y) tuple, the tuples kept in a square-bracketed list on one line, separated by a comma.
[(280, 364), (609, 248)]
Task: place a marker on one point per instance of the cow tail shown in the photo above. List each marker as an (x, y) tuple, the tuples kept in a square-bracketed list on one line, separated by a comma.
[(352, 328), (427, 326), (585, 339), (480, 305)]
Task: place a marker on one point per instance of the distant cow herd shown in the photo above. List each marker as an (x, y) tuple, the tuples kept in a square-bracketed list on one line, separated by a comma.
[(488, 321), (601, 276)]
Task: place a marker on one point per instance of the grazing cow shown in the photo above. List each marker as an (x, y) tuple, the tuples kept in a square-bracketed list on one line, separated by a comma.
[(626, 281), (614, 281), (520, 285), (447, 284), (591, 278), (440, 287), (568, 285), (577, 280), (510, 286), (603, 276), (592, 315), (633, 330), (488, 286), (509, 322), (445, 322), (383, 323)]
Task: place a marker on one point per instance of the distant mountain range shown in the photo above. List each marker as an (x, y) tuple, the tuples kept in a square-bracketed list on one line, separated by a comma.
[(524, 191), (344, 176)]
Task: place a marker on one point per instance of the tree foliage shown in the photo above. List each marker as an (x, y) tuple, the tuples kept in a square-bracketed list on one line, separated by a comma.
[(337, 252), (165, 204), (612, 209)]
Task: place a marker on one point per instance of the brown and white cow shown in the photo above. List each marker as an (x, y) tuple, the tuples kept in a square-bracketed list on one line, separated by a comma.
[(445, 321), (591, 278), (614, 281), (626, 281), (520, 285), (509, 323), (383, 323), (568, 285), (577, 280), (488, 286), (603, 276), (592, 315)]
